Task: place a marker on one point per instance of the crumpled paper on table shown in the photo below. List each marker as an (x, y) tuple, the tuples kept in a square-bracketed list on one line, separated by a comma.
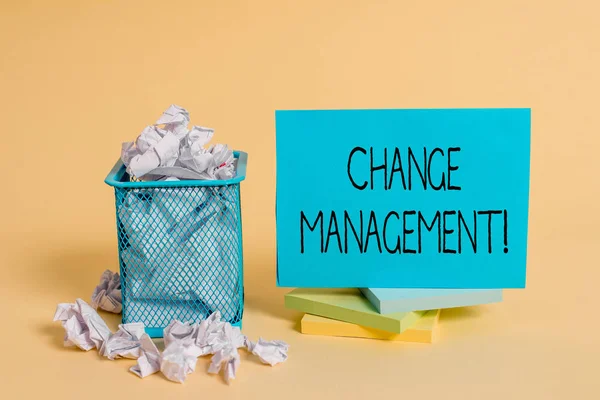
[(132, 341), (85, 329), (178, 360), (124, 343), (270, 352), (174, 151), (186, 342), (205, 337), (83, 326), (226, 356), (149, 360), (227, 359), (107, 294)]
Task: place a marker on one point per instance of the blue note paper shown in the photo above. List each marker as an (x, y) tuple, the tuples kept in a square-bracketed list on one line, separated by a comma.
[(433, 198), (388, 301)]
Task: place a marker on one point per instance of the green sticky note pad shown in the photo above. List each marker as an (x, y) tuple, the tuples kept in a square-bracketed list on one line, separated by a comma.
[(349, 305)]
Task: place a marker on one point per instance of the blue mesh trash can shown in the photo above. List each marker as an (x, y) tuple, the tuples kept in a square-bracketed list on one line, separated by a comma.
[(180, 248)]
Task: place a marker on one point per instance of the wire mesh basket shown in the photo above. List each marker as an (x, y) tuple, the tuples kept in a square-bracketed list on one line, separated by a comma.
[(180, 248)]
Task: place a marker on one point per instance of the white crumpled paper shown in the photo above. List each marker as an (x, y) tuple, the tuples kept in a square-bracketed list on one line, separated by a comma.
[(107, 294), (184, 343), (149, 360), (206, 337), (227, 359), (226, 356), (85, 329), (175, 151), (83, 326), (178, 360), (124, 343), (132, 341), (270, 352)]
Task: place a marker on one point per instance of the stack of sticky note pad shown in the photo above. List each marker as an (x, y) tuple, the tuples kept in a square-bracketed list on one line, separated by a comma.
[(408, 315)]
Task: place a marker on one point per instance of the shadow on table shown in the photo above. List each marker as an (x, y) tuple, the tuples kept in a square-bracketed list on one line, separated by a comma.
[(261, 291), (461, 313)]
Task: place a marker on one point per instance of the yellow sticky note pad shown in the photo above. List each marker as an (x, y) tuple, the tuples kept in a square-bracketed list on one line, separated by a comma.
[(423, 331)]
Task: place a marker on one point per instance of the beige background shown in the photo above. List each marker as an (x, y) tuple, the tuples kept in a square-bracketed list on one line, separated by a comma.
[(77, 78)]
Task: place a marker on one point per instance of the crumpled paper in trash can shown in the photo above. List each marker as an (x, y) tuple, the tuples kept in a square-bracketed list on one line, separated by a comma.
[(169, 148)]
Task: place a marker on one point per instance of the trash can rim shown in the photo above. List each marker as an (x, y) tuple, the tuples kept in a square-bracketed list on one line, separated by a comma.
[(116, 174)]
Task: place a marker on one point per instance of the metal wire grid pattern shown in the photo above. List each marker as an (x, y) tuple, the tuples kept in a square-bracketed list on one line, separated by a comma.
[(180, 253)]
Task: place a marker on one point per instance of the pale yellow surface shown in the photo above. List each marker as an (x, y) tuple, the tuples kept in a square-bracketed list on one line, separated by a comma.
[(79, 77), (423, 331)]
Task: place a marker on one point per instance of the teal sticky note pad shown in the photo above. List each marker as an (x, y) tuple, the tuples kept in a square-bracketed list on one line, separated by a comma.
[(388, 301), (431, 198)]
